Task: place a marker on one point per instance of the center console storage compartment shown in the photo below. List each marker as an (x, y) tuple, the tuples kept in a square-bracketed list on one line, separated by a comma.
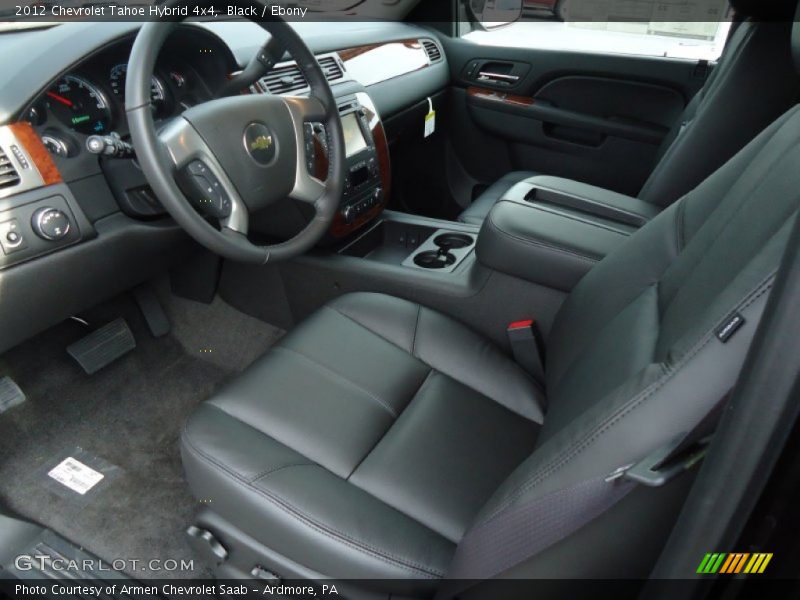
[(540, 244), (560, 193), (413, 245)]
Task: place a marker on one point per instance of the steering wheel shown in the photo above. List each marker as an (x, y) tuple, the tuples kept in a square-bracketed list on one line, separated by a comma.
[(229, 157)]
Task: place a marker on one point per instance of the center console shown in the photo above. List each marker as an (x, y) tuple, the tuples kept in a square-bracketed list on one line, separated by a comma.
[(546, 230), (423, 245), (552, 231), (368, 172)]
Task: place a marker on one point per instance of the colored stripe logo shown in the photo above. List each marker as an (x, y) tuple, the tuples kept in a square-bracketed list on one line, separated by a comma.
[(734, 562)]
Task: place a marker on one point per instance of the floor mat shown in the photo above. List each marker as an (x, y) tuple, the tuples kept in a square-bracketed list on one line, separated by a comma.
[(129, 414)]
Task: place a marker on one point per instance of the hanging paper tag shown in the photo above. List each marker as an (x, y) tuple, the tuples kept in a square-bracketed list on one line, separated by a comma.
[(430, 119)]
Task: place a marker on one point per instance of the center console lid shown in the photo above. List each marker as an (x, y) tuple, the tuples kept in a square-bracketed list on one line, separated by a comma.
[(584, 198), (551, 230), (552, 247)]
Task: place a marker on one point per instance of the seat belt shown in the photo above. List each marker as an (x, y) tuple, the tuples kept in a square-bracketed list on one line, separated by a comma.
[(527, 346), (531, 526)]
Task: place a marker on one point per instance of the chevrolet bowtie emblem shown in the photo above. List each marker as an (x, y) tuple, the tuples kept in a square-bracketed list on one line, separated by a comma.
[(259, 143), (262, 142)]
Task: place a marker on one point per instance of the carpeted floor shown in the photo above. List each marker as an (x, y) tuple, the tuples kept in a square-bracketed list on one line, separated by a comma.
[(128, 414)]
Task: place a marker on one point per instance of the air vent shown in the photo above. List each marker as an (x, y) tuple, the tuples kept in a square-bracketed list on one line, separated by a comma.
[(288, 78), (432, 50), (331, 68), (283, 80), (8, 174)]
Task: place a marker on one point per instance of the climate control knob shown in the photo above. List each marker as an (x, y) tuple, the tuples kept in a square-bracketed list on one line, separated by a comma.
[(349, 214), (50, 224)]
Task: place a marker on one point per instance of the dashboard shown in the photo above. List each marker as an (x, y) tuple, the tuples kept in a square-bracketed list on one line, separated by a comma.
[(89, 225)]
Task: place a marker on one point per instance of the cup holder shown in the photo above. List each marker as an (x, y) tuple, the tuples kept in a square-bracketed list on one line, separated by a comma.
[(443, 250), (432, 259), (452, 241)]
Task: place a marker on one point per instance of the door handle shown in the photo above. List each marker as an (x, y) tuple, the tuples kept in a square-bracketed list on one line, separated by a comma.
[(498, 78)]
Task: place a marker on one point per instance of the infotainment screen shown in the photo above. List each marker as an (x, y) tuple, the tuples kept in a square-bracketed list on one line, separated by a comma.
[(354, 141)]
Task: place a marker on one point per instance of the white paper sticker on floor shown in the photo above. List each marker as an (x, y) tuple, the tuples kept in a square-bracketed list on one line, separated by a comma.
[(76, 475)]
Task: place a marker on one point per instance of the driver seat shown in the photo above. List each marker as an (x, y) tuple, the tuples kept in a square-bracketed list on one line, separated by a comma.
[(378, 433)]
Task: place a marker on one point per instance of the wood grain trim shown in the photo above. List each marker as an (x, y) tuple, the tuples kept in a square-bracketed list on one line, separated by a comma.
[(384, 163), (351, 53), (37, 152), (374, 69), (496, 96)]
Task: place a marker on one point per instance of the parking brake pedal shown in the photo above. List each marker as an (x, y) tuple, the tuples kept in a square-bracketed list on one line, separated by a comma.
[(103, 346), (10, 394)]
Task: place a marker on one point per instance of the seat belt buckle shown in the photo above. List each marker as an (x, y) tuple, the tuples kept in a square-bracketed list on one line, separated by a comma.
[(527, 347), (667, 462)]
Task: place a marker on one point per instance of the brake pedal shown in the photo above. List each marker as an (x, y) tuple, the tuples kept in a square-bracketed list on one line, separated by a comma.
[(103, 346), (10, 394), (153, 312)]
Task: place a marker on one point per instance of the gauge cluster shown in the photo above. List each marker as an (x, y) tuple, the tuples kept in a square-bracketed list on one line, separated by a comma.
[(90, 99), (79, 105)]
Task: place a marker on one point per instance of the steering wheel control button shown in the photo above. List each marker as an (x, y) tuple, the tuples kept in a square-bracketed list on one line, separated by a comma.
[(206, 190), (259, 143), (11, 238), (198, 167), (50, 224)]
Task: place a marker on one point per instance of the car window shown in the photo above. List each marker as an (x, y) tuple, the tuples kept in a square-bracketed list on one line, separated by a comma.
[(598, 31)]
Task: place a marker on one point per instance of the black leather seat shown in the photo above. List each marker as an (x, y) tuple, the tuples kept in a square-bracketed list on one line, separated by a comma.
[(750, 87), (367, 441), (379, 433)]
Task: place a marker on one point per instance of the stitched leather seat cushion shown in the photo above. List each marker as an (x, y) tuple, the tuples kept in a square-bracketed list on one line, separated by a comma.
[(366, 441)]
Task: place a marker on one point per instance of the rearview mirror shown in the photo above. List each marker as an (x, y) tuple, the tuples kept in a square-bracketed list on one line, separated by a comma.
[(492, 14)]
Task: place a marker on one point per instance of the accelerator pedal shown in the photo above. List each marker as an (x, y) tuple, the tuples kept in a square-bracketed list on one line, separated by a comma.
[(103, 346), (10, 394)]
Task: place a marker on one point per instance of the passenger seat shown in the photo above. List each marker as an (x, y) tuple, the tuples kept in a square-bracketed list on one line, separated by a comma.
[(752, 85)]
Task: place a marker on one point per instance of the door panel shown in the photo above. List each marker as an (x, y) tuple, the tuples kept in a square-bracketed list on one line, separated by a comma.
[(592, 117)]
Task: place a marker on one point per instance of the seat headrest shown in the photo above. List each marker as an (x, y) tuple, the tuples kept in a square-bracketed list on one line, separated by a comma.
[(773, 10), (765, 10)]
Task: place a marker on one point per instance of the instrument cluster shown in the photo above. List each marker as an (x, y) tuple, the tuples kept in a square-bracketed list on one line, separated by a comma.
[(90, 100)]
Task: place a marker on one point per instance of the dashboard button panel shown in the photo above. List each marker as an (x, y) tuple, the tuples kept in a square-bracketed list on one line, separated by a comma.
[(35, 228), (11, 237)]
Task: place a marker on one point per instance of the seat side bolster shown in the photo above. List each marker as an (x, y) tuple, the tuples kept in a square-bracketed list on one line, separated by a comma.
[(648, 411)]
